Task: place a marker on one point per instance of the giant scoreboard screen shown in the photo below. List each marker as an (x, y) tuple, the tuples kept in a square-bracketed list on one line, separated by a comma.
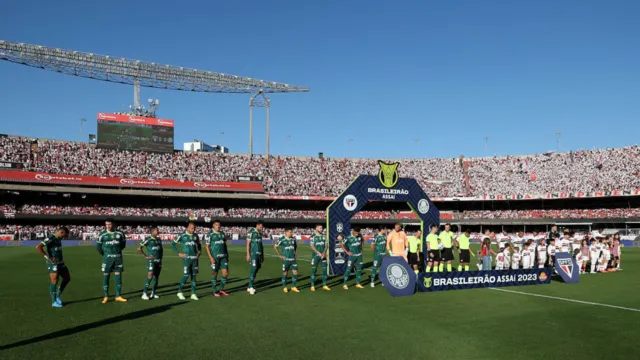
[(128, 132)]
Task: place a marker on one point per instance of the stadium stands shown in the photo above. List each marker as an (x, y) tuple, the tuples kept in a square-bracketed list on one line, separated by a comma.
[(585, 170), (267, 213)]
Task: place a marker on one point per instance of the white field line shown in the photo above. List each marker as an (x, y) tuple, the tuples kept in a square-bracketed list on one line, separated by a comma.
[(569, 300)]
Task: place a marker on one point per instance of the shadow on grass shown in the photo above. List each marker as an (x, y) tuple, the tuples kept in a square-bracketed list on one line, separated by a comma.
[(164, 289), (77, 329)]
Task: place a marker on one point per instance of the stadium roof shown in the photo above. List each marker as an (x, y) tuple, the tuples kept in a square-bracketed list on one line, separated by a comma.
[(135, 72)]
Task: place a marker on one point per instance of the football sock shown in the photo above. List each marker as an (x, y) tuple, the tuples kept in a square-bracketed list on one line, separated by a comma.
[(284, 281), (105, 285), (313, 276), (294, 279), (118, 284), (223, 282), (52, 292)]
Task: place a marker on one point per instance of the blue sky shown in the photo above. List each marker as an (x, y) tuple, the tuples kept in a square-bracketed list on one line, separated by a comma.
[(381, 72)]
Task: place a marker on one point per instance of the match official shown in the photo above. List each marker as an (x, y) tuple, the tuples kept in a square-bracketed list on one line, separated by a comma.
[(433, 249), (462, 243), (446, 238), (415, 248)]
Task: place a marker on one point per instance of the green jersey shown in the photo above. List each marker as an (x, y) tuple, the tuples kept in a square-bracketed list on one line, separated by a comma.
[(217, 244), (255, 237), (319, 242), (379, 243), (190, 244), (54, 248), (287, 248), (353, 244), (112, 243), (153, 247)]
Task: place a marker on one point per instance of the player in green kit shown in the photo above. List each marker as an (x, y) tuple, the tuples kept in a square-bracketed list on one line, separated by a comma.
[(379, 248), (352, 246), (154, 253), (216, 247), (191, 248), (287, 249), (255, 253), (55, 264), (318, 246), (110, 244)]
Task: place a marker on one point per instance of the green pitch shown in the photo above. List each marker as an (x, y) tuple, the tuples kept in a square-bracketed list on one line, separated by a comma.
[(353, 324)]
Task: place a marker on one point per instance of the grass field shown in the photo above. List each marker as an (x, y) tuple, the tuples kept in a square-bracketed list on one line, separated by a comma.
[(353, 324)]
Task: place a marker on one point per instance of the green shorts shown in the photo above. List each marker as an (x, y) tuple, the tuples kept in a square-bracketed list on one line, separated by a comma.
[(190, 266), (377, 259), (112, 264), (57, 268), (154, 266), (256, 261), (317, 260), (222, 263), (289, 265), (354, 261)]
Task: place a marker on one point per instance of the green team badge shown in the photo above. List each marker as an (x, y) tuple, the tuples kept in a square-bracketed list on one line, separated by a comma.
[(388, 174)]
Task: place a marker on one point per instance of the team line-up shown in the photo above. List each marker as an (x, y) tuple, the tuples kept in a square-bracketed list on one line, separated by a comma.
[(111, 242)]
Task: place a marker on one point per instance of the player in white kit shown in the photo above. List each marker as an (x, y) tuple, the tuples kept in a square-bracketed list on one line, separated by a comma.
[(542, 255), (565, 243), (577, 254), (527, 261), (551, 252), (594, 251), (516, 258), (500, 260), (507, 257)]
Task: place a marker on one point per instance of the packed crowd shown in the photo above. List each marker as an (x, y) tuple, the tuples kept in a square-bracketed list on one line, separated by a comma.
[(15, 149), (270, 213), (36, 232), (261, 213), (624, 213), (584, 170)]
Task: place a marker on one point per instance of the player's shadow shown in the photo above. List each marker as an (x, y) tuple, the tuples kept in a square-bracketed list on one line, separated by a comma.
[(81, 328), (277, 283), (165, 289)]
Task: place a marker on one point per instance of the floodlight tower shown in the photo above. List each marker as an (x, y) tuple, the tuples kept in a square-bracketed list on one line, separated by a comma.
[(262, 101), (146, 74)]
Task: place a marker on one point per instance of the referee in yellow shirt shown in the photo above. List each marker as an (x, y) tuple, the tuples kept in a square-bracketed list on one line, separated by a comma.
[(433, 249), (462, 242), (446, 238), (415, 248)]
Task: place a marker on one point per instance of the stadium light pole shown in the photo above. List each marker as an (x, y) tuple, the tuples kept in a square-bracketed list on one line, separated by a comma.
[(558, 135), (82, 121), (486, 144), (265, 102)]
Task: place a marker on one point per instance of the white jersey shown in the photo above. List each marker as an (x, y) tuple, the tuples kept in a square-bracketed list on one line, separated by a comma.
[(500, 261), (542, 251), (517, 240), (507, 259), (565, 244), (551, 250), (576, 245), (502, 240), (526, 259), (579, 259), (594, 251), (515, 260)]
